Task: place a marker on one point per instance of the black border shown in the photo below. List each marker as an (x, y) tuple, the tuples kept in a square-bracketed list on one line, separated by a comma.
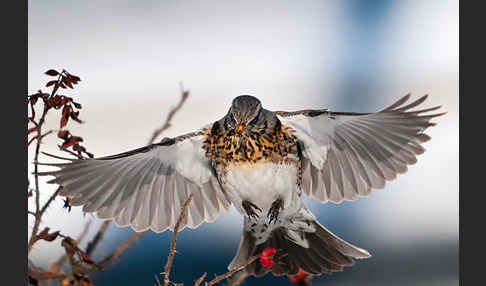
[(471, 129), (14, 226)]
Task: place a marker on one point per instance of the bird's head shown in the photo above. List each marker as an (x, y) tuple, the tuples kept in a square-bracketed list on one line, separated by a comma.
[(245, 114)]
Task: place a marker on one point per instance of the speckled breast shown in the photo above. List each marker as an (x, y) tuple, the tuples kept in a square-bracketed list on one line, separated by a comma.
[(226, 148)]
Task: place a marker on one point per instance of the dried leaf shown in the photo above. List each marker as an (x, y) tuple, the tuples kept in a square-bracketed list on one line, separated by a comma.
[(77, 105), (52, 72), (77, 147), (64, 100), (66, 112), (56, 101), (87, 259), (71, 141), (47, 236), (74, 78), (64, 121), (33, 99), (67, 82), (63, 134), (31, 130), (51, 83), (74, 116), (70, 246)]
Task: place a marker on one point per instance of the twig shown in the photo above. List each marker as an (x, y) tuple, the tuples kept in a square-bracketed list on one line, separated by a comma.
[(70, 152), (172, 112), (237, 279), (132, 239), (172, 251), (200, 280), (31, 140), (50, 200), (47, 133), (97, 238), (124, 246), (35, 229), (230, 273), (157, 279), (57, 157), (38, 215), (56, 265)]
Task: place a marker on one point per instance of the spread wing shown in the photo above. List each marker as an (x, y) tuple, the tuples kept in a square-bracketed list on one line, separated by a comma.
[(346, 154), (145, 188)]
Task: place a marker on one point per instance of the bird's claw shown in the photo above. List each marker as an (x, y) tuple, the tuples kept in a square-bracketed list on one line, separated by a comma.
[(274, 210), (250, 209)]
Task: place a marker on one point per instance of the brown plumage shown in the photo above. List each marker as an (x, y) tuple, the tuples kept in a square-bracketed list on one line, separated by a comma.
[(225, 147)]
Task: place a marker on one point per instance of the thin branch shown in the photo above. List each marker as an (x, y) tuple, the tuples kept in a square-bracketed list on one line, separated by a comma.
[(172, 251), (97, 238), (132, 239), (124, 246), (35, 229), (200, 280), (157, 279), (47, 133), (237, 279), (56, 265), (230, 273), (50, 200), (31, 140), (70, 152), (33, 121), (57, 157), (172, 112)]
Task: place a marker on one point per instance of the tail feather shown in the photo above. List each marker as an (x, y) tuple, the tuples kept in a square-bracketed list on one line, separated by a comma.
[(326, 253)]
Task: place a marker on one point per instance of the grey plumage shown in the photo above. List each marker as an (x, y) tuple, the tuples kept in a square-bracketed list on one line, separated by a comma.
[(340, 156), (363, 150), (326, 253)]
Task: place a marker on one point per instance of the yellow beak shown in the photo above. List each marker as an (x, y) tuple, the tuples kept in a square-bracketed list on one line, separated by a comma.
[(241, 128)]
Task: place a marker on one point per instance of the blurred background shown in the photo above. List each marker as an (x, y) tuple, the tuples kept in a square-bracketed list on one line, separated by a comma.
[(345, 55)]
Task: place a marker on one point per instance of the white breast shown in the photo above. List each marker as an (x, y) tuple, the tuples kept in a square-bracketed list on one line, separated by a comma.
[(261, 184)]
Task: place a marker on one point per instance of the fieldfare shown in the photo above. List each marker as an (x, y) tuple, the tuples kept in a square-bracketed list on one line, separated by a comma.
[(261, 162)]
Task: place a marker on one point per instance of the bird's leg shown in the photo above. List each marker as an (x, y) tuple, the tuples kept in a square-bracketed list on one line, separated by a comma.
[(249, 208), (274, 210)]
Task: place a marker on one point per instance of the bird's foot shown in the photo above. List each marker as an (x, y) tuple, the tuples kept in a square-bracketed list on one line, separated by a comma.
[(274, 210), (250, 208)]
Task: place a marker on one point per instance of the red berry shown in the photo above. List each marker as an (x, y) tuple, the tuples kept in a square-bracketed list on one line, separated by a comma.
[(299, 277), (266, 257), (266, 262), (269, 251)]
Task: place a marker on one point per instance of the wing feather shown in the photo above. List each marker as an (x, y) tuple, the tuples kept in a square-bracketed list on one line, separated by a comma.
[(345, 154), (145, 188)]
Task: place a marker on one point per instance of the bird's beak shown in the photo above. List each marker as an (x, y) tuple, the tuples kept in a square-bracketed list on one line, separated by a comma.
[(240, 128)]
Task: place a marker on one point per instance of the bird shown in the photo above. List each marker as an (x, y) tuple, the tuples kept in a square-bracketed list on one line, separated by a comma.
[(263, 163)]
